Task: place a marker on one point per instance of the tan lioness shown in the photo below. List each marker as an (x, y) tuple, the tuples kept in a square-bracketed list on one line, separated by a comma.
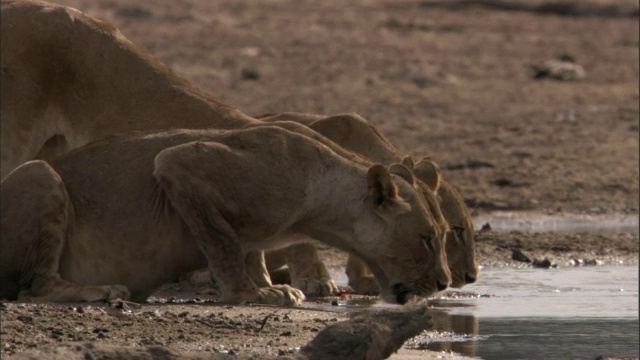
[(358, 135), (124, 215)]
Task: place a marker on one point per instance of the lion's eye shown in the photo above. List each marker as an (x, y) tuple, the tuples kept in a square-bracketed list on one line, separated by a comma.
[(459, 232), (428, 242)]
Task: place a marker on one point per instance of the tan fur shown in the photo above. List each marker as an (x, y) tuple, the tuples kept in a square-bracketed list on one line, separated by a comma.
[(356, 134), (73, 79), (138, 211)]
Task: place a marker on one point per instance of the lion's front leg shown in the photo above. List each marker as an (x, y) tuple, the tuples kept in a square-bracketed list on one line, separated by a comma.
[(308, 272), (37, 212), (193, 197), (361, 279), (241, 278)]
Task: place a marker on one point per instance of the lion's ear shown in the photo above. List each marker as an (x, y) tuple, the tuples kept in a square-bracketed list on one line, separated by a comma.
[(408, 162), (427, 171), (403, 172), (381, 188)]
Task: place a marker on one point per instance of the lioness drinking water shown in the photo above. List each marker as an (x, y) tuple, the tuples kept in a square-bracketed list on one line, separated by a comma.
[(120, 217)]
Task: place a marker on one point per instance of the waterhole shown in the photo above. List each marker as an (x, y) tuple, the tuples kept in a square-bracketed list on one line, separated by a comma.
[(563, 313)]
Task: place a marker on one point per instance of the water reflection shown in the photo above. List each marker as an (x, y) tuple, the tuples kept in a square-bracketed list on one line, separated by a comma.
[(457, 333)]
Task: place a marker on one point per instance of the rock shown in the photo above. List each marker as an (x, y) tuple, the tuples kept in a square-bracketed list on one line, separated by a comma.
[(592, 262), (575, 262), (485, 227), (563, 68), (543, 263), (502, 182), (368, 335), (250, 74), (517, 255)]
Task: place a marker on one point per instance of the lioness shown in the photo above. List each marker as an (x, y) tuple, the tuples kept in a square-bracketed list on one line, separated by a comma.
[(73, 79), (353, 132), (121, 216), (357, 134)]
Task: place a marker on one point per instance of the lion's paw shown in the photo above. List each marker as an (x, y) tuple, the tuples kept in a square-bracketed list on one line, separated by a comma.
[(197, 278), (113, 292), (316, 287), (283, 295), (366, 285)]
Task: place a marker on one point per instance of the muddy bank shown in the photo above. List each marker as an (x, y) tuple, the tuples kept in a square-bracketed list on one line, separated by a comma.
[(181, 321)]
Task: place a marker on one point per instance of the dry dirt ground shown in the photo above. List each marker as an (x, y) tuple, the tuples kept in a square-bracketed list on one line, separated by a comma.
[(451, 79)]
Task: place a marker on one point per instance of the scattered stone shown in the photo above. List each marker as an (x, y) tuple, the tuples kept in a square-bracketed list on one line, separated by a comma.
[(593, 262), (124, 305), (283, 352), (250, 74), (502, 182), (543, 264), (25, 318), (563, 68), (469, 164), (517, 255), (576, 262), (585, 262)]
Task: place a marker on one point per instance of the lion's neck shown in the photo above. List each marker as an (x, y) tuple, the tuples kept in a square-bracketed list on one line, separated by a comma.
[(335, 200)]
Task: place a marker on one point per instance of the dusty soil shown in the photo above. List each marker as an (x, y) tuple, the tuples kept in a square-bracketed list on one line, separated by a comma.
[(451, 79)]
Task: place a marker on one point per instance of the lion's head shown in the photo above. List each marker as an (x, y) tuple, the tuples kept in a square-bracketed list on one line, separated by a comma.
[(410, 258), (460, 243)]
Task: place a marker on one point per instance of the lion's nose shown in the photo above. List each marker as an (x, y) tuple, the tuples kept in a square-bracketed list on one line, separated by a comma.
[(470, 278), (441, 286)]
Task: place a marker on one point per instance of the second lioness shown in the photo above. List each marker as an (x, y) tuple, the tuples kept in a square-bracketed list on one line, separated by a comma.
[(355, 133), (129, 213)]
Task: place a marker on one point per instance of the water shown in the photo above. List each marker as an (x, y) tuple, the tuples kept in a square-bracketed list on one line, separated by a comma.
[(566, 313), (523, 221), (563, 313)]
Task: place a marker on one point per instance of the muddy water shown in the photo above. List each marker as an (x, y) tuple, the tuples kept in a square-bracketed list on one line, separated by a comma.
[(560, 313), (545, 314), (564, 313)]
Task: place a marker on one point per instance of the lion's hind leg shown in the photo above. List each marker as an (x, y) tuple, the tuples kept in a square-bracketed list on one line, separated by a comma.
[(36, 215)]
